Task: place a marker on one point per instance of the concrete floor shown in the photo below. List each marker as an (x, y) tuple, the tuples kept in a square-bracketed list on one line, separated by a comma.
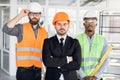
[(4, 76)]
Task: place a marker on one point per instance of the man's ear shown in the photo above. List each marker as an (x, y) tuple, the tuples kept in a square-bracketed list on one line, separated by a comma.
[(96, 24), (83, 24)]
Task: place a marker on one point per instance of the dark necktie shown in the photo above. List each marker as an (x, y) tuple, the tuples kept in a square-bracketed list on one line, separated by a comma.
[(61, 42)]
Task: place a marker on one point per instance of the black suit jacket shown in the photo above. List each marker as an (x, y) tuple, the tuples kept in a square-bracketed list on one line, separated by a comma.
[(54, 57)]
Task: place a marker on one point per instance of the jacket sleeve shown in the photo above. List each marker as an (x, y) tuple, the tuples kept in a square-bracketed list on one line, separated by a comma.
[(13, 31), (101, 70), (16, 31), (81, 74), (76, 55), (48, 59)]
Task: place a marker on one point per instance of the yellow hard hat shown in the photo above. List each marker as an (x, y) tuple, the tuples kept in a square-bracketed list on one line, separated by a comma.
[(60, 16)]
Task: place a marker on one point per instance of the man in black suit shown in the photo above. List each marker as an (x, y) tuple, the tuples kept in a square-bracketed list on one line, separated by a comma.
[(61, 53)]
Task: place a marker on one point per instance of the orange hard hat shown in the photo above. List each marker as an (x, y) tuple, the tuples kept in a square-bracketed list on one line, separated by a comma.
[(60, 16)]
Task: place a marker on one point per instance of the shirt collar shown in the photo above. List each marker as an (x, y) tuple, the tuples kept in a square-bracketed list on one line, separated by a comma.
[(38, 26), (59, 37), (89, 37)]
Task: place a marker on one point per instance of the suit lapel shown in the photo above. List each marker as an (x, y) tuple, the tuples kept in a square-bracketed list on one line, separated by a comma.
[(67, 45), (56, 40), (57, 44)]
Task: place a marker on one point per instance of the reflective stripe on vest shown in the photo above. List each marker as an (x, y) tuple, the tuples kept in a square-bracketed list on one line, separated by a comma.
[(90, 57), (24, 49), (88, 67), (28, 58), (28, 49)]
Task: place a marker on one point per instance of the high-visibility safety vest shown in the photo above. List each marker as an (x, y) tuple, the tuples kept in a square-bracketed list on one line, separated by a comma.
[(90, 57), (29, 50)]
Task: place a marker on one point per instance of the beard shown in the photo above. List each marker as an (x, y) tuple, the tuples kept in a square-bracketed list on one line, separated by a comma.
[(34, 21), (61, 32), (89, 30)]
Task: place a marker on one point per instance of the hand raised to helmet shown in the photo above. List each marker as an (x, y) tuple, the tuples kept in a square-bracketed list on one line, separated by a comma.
[(24, 12)]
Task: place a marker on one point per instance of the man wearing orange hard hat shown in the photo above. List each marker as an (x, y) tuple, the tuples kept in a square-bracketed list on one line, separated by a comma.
[(61, 16), (61, 53)]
